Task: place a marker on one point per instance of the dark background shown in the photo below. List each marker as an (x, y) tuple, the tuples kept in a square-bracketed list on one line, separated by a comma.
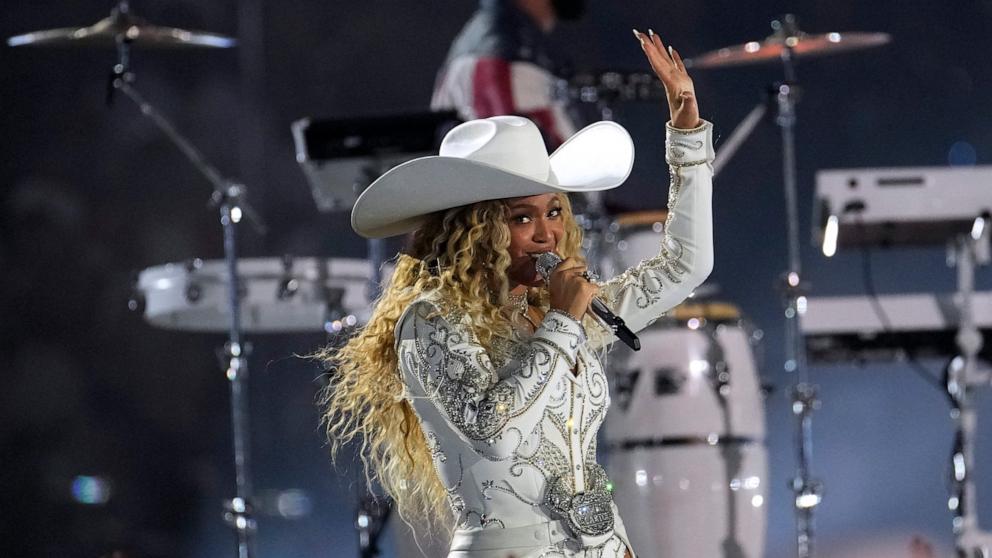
[(90, 195)]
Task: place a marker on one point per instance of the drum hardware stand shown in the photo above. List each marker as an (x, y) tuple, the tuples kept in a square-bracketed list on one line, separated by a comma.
[(730, 449), (743, 130), (962, 375), (229, 198), (373, 514), (288, 285), (808, 491)]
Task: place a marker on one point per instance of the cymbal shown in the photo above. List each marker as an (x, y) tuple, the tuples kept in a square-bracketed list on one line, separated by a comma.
[(121, 24), (802, 45)]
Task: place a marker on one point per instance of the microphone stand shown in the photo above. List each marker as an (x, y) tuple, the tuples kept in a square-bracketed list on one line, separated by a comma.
[(229, 198)]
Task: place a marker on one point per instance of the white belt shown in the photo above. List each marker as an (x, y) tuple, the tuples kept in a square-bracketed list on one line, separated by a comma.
[(528, 536)]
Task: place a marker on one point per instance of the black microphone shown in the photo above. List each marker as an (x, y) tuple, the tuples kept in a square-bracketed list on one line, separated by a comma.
[(548, 261)]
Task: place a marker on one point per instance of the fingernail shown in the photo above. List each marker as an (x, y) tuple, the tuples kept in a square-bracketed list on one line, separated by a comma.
[(636, 33), (651, 32), (670, 51)]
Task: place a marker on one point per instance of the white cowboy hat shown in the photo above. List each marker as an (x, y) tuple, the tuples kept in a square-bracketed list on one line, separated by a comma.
[(488, 159)]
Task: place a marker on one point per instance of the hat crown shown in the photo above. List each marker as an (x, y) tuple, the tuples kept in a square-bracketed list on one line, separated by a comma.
[(510, 143)]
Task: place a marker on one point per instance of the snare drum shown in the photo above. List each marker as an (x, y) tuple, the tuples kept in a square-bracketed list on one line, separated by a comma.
[(277, 295)]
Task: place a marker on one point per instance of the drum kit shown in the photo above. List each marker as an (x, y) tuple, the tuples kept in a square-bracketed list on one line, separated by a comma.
[(686, 440)]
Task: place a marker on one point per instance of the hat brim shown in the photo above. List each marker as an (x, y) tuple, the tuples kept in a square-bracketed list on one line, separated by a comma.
[(598, 157)]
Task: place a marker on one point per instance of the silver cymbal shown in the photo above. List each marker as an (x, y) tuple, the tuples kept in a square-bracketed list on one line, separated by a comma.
[(122, 25)]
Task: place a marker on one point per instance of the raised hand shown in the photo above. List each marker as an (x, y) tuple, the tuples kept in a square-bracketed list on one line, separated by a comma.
[(668, 66)]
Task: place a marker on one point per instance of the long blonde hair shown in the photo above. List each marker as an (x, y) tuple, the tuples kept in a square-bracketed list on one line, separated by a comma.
[(463, 254)]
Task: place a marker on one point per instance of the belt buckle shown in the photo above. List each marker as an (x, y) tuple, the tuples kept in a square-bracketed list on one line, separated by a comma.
[(586, 513)]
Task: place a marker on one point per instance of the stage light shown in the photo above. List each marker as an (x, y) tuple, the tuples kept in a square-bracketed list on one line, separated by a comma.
[(978, 227), (830, 237)]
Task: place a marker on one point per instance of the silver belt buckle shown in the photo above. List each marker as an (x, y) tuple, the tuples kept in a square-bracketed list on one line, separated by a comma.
[(586, 513)]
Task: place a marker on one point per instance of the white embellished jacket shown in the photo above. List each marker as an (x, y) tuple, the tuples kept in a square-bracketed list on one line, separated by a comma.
[(512, 431)]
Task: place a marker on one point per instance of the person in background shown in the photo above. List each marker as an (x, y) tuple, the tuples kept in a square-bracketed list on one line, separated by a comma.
[(499, 64)]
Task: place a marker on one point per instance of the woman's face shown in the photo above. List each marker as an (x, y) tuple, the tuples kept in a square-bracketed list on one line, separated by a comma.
[(536, 226)]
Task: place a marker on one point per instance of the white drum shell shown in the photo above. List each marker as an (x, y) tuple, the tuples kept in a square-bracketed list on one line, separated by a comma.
[(168, 304), (633, 245), (679, 359), (678, 502), (689, 466)]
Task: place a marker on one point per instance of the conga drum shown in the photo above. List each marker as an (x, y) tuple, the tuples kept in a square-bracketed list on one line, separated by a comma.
[(685, 435)]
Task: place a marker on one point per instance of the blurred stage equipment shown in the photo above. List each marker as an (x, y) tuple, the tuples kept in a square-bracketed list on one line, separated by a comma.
[(277, 295), (889, 327), (340, 158), (609, 88), (912, 206), (786, 45), (686, 432), (123, 30), (898, 206)]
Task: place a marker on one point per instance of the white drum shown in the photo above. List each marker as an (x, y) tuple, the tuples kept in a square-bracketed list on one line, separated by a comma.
[(686, 430), (685, 436), (277, 294)]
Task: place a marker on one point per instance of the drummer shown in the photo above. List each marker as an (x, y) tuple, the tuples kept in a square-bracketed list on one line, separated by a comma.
[(499, 64)]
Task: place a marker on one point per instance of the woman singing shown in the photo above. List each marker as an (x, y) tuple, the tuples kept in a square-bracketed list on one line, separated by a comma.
[(477, 388)]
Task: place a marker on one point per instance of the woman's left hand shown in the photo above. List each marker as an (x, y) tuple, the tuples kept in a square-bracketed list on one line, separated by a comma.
[(668, 66)]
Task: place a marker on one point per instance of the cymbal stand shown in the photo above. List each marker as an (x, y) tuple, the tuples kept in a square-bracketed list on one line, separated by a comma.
[(229, 198), (807, 491), (962, 375)]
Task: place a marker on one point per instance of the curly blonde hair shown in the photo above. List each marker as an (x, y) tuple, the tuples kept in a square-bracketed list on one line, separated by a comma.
[(463, 254)]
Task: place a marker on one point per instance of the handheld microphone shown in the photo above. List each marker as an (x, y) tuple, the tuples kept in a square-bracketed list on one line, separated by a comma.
[(548, 261)]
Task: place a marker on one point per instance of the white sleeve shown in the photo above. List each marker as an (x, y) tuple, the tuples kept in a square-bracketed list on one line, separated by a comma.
[(641, 294)]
